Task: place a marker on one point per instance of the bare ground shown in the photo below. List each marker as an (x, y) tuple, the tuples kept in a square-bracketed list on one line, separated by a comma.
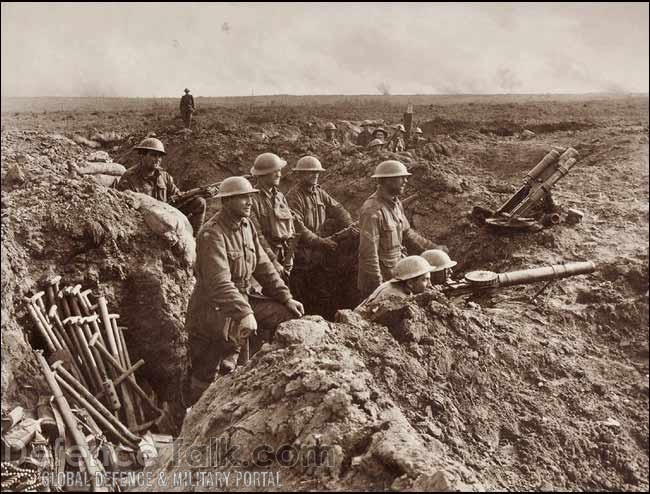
[(498, 394)]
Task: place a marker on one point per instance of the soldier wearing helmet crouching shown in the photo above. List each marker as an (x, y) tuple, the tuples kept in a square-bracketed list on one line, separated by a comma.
[(441, 266), (314, 207), (375, 147), (411, 276), (385, 230), (330, 128), (150, 179), (274, 221), (223, 311)]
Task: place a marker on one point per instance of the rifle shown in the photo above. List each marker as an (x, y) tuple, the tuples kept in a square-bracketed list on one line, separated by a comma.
[(352, 230), (521, 210), (210, 190), (479, 281)]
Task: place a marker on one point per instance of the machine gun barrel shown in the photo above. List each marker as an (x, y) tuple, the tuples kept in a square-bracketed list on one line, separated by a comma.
[(545, 273), (484, 280)]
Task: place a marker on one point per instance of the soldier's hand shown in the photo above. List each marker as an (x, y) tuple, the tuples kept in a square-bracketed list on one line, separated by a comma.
[(295, 307), (279, 268), (328, 244), (248, 325)]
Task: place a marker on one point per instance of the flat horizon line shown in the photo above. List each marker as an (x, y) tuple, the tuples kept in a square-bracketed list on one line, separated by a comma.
[(592, 93)]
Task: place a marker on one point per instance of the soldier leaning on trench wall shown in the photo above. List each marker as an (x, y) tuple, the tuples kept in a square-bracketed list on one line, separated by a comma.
[(148, 178), (224, 310), (385, 231)]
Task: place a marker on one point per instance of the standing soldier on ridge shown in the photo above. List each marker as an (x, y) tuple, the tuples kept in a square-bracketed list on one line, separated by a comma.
[(187, 108)]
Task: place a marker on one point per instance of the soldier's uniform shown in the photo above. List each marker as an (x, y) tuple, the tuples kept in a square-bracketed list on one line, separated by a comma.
[(364, 138), (187, 109), (160, 185), (229, 256), (397, 145), (313, 207), (385, 290), (278, 230), (385, 232)]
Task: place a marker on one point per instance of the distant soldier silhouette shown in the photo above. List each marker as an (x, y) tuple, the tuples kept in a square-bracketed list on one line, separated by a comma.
[(187, 108)]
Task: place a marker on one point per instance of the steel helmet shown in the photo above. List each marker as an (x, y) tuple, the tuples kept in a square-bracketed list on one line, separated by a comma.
[(235, 186), (379, 129), (438, 259), (401, 128), (390, 168), (267, 163), (418, 130), (309, 164), (151, 144), (330, 126), (375, 142), (411, 267)]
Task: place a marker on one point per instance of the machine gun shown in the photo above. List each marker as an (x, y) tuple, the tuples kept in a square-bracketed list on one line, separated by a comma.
[(479, 281), (531, 206), (210, 190)]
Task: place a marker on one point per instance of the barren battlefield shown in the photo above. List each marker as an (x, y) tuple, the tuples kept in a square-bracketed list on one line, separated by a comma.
[(539, 386)]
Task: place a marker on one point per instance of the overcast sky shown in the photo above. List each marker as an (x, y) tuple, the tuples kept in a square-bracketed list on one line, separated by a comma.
[(58, 49)]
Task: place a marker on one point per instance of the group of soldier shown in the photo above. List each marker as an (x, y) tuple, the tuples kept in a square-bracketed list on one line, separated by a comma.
[(260, 247), (372, 139)]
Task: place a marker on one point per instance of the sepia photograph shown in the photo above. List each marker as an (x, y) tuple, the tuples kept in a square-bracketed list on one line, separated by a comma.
[(333, 246)]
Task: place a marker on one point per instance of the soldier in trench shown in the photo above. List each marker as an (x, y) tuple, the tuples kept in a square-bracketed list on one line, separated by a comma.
[(275, 223), (385, 232), (187, 108), (149, 178), (314, 207), (412, 275), (224, 311)]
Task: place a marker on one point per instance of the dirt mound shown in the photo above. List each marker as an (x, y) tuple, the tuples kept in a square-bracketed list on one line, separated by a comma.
[(439, 398), (314, 396), (91, 236)]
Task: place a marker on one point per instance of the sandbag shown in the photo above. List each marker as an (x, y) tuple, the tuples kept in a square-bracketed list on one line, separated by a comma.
[(106, 137), (105, 180), (167, 222), (94, 168), (102, 156), (86, 142)]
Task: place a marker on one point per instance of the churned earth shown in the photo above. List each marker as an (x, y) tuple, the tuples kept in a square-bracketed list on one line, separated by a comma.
[(497, 392)]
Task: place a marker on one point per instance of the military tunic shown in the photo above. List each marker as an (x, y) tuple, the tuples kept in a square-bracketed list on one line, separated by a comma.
[(229, 255), (160, 185), (382, 292), (385, 234), (278, 229)]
